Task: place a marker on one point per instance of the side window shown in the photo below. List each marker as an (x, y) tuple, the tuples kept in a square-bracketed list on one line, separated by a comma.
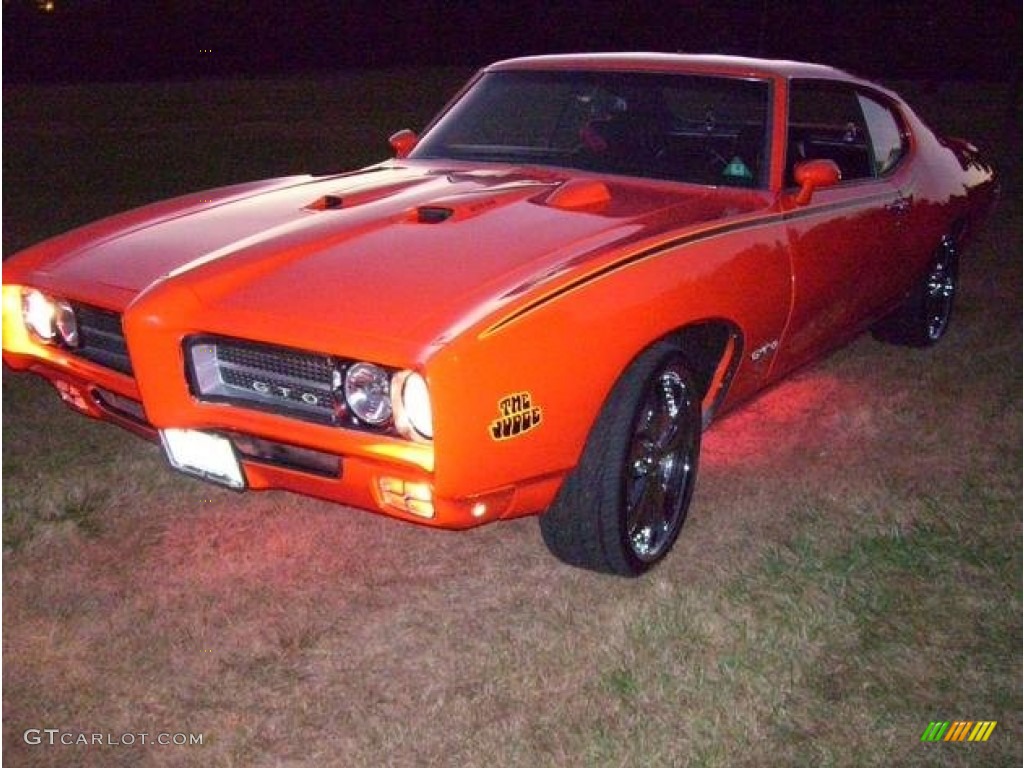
[(888, 140), (826, 122)]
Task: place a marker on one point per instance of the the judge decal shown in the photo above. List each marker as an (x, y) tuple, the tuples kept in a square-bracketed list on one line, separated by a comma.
[(518, 415)]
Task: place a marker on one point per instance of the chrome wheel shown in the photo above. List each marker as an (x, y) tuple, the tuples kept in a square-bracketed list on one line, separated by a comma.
[(622, 508), (925, 314), (661, 464), (940, 288)]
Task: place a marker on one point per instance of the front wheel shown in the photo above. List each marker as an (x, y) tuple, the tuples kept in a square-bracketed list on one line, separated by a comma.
[(924, 316), (621, 510)]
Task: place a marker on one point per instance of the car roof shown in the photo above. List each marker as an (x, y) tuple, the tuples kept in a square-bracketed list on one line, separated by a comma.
[(741, 66)]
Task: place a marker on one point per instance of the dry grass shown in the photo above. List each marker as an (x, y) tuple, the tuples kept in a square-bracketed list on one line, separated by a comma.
[(850, 570)]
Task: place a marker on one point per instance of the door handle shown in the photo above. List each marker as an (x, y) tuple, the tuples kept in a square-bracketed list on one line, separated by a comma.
[(900, 205)]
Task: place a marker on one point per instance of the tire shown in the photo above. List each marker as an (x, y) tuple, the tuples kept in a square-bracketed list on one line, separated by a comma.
[(621, 509), (924, 317)]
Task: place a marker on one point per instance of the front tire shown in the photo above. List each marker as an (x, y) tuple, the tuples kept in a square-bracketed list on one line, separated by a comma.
[(622, 508), (924, 316)]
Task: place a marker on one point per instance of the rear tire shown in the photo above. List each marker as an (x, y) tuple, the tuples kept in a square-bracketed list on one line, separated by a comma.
[(924, 317), (622, 508)]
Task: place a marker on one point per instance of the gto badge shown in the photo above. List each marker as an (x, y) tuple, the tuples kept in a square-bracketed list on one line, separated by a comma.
[(285, 393), (518, 416), (764, 350)]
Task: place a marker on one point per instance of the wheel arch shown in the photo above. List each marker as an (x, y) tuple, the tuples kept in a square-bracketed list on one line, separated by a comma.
[(713, 349)]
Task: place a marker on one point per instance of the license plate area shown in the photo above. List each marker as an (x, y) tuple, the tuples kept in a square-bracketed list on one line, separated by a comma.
[(204, 455)]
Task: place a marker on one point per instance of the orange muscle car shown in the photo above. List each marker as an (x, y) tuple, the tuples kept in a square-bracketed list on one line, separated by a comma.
[(535, 307)]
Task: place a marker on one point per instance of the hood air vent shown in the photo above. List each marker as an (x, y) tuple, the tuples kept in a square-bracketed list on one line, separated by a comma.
[(327, 203), (359, 195), (433, 214)]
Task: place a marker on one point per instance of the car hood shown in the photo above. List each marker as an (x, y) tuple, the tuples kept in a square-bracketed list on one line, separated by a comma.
[(402, 250)]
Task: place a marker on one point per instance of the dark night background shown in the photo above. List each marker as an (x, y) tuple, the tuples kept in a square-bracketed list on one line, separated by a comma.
[(85, 40)]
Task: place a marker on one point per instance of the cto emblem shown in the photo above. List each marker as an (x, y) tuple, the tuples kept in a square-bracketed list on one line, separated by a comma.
[(518, 415)]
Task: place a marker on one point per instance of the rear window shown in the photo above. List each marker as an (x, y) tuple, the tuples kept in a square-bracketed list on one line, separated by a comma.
[(860, 132)]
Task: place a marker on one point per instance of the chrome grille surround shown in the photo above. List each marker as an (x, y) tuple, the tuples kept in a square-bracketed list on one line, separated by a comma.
[(283, 380)]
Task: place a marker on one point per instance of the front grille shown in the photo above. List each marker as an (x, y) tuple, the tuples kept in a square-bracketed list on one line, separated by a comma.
[(101, 338), (297, 366), (266, 377)]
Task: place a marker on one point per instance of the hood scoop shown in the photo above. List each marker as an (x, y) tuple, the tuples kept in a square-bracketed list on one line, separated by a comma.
[(335, 201), (327, 203), (458, 208), (433, 214), (580, 195), (466, 205)]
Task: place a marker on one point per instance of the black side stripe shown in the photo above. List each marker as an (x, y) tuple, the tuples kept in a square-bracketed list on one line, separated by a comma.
[(630, 259)]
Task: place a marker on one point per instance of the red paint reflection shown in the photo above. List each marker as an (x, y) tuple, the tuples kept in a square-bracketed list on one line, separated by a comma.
[(815, 413)]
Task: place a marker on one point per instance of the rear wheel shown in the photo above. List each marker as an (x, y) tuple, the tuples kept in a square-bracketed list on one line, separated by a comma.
[(621, 510), (924, 316)]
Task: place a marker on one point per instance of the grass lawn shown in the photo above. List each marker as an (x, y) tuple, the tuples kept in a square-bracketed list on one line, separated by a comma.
[(849, 573)]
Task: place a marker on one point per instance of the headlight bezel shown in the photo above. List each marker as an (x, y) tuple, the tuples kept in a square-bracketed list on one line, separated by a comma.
[(49, 320), (39, 313), (66, 323), (366, 390), (414, 418), (409, 410)]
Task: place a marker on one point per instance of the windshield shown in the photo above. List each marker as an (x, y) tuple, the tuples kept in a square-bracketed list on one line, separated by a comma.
[(698, 129)]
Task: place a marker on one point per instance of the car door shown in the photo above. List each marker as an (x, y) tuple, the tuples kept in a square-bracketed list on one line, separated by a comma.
[(845, 245)]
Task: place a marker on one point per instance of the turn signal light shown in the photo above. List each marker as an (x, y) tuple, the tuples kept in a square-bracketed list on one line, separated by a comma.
[(412, 497)]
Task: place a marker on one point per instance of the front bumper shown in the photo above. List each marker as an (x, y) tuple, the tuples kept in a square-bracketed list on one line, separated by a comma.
[(382, 472), (375, 473)]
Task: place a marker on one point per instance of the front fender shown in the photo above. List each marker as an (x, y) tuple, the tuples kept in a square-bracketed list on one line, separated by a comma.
[(516, 396)]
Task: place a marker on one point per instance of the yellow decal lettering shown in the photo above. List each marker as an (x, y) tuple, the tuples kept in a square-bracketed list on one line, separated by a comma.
[(518, 415)]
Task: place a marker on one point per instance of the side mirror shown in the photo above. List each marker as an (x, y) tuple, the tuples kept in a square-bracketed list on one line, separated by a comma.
[(812, 174), (403, 142)]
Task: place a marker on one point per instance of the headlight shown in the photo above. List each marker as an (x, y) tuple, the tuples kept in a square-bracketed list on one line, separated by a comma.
[(49, 319), (367, 390), (67, 324), (39, 312), (414, 417)]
